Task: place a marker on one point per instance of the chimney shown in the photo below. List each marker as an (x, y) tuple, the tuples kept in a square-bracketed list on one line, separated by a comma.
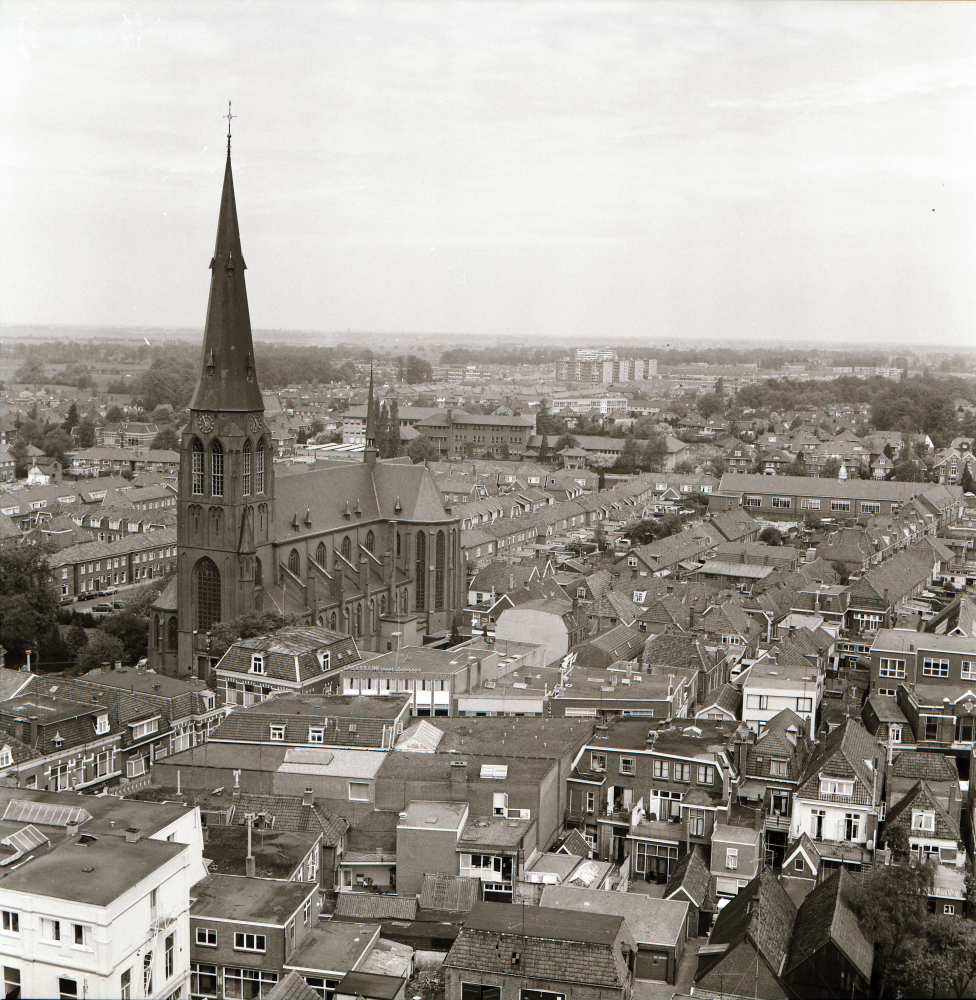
[(575, 606), (511, 581), (308, 799), (132, 835), (33, 730), (71, 828)]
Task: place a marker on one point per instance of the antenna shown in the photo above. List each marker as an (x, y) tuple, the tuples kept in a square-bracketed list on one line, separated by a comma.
[(228, 116)]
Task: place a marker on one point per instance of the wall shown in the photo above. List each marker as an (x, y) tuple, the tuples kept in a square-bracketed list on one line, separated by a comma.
[(541, 627), (423, 852)]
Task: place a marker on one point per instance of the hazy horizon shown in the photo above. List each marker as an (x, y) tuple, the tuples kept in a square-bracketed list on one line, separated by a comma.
[(749, 173)]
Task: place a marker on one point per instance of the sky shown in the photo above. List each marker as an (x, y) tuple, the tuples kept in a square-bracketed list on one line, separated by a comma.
[(770, 171)]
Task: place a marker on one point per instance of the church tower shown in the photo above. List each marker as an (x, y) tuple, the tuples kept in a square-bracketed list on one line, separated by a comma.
[(226, 482)]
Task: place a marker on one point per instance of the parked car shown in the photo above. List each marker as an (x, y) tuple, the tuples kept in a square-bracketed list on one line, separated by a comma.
[(102, 609), (69, 599), (118, 605)]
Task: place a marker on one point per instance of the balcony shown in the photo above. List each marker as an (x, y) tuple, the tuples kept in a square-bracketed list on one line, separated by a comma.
[(776, 821), (579, 815)]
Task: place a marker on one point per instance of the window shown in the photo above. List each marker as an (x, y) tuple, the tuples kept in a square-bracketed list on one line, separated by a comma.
[(804, 704), (935, 668), (662, 769), (10, 921), (682, 772), (591, 802), (257, 663), (598, 761), (11, 983), (732, 858), (948, 909), (892, 668), (420, 576), (249, 984), (249, 942), (197, 474), (499, 771), (216, 469), (208, 593), (894, 732), (144, 728), (168, 955), (829, 786), (760, 701), (923, 820), (870, 508), (259, 467), (782, 502), (778, 768), (752, 501), (359, 791), (277, 733), (798, 865), (67, 988), (968, 672), (50, 929), (207, 937), (82, 935), (696, 822), (704, 774), (307, 912), (809, 504), (840, 505), (246, 470), (852, 825), (316, 734), (628, 765), (931, 726), (475, 991), (203, 979)]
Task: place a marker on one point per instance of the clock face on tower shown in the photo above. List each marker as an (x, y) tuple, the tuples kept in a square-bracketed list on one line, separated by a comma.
[(255, 424), (205, 422)]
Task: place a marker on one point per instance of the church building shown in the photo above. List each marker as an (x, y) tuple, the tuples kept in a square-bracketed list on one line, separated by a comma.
[(364, 548)]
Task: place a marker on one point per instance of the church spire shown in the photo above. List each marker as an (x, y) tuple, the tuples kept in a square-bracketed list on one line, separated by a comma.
[(370, 452), (228, 379)]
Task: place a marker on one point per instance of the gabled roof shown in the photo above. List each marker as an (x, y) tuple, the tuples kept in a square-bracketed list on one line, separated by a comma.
[(826, 916), (727, 697), (455, 893), (843, 753), (689, 878), (806, 846), (919, 764), (920, 796)]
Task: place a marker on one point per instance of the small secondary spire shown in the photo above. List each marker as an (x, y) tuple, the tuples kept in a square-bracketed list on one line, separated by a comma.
[(228, 116)]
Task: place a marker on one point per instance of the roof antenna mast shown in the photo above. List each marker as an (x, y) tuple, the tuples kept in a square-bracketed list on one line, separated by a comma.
[(228, 116)]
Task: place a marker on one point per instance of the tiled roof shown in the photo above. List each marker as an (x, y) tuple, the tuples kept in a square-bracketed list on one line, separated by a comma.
[(291, 814), (676, 649), (448, 892), (920, 796), (689, 878), (575, 844), (291, 653), (291, 987), (371, 906), (898, 575), (551, 944), (919, 764), (725, 696), (825, 915), (763, 911), (842, 754)]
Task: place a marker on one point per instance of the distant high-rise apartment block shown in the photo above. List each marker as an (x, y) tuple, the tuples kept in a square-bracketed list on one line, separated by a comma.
[(603, 366)]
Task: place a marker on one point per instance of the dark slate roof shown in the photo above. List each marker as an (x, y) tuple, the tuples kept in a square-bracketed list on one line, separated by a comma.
[(808, 846), (776, 742), (448, 892), (290, 653), (676, 649), (372, 906), (291, 814), (291, 987), (842, 755), (552, 944), (725, 696), (919, 764), (764, 912), (575, 844), (920, 796), (825, 915), (689, 878)]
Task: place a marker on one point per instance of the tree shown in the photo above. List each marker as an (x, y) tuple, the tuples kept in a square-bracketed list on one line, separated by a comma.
[(76, 639), (600, 537), (685, 468), (85, 434), (71, 420), (967, 483), (393, 431), (114, 415), (652, 453), (601, 482), (422, 449), (503, 452), (565, 441), (710, 404), (166, 439), (57, 443), (544, 449), (101, 648), (131, 630), (418, 370), (771, 535), (225, 634), (830, 469), (28, 605)]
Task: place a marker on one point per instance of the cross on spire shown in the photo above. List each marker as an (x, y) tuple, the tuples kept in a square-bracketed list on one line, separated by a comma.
[(228, 116)]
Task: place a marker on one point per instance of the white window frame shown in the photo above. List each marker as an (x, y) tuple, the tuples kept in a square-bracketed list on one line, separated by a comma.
[(257, 663), (732, 858), (628, 765), (751, 501), (935, 668), (892, 668), (840, 506), (316, 734), (809, 504), (259, 942), (870, 507), (968, 670), (207, 937), (783, 502), (359, 785), (598, 762), (276, 732)]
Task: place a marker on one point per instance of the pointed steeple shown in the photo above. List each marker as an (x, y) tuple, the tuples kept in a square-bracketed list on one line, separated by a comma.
[(228, 379), (371, 452)]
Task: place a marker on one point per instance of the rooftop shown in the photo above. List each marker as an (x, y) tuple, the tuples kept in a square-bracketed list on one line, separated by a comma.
[(434, 815), (651, 921), (493, 831), (237, 897), (335, 946), (544, 922), (340, 705)]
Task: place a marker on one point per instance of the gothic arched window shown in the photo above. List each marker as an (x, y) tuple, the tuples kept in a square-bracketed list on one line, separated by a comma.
[(420, 586), (173, 638), (320, 554), (346, 548), (398, 545), (157, 632), (439, 561), (216, 469), (295, 562), (259, 467), (246, 470), (208, 594), (332, 621), (359, 619), (382, 604), (196, 453), (372, 616), (370, 541), (258, 574)]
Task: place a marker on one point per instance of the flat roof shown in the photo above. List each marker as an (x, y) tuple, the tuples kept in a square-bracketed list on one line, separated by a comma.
[(276, 852), (97, 873), (346, 706), (239, 897), (734, 834), (418, 659), (543, 922), (144, 681), (904, 641), (332, 763), (333, 946), (493, 831), (651, 921), (428, 814), (48, 710), (371, 985)]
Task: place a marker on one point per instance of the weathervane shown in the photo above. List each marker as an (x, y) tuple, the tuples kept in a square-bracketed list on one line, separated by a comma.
[(228, 116)]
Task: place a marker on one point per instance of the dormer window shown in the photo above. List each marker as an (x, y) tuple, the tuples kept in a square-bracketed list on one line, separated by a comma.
[(923, 820), (101, 725), (277, 733), (325, 659), (6, 757), (257, 663), (831, 786)]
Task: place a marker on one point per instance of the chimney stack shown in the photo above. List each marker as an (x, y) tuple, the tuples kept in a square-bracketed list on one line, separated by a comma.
[(33, 730), (308, 799), (132, 835)]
